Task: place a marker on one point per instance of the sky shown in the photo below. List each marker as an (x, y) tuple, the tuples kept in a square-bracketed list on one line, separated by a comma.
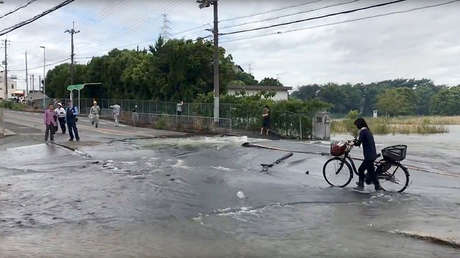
[(418, 44)]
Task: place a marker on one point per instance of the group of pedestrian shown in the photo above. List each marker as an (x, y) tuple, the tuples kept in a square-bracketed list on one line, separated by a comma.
[(63, 116)]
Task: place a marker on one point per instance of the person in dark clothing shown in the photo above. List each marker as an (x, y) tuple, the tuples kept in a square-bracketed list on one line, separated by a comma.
[(265, 121), (366, 139), (134, 115), (71, 118)]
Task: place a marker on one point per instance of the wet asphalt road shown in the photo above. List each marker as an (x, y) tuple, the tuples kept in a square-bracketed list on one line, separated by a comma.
[(184, 198)]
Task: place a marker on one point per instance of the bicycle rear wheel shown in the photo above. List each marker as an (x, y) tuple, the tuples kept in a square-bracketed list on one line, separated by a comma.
[(337, 172), (394, 179)]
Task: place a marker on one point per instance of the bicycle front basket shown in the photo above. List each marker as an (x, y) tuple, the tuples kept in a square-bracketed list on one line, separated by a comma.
[(394, 153), (338, 148)]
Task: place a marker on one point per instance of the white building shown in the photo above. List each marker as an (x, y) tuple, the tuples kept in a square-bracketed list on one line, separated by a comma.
[(12, 86), (281, 93), (35, 95)]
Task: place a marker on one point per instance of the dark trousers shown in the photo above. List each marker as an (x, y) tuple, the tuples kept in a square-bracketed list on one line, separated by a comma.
[(371, 175), (49, 132), (62, 124), (72, 126)]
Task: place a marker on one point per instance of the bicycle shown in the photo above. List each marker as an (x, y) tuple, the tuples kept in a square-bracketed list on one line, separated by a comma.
[(392, 175)]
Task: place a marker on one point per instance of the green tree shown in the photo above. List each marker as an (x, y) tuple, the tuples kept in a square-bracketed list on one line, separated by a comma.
[(398, 101), (268, 81), (424, 94), (363, 97), (343, 97), (306, 92), (446, 102), (246, 78), (58, 79), (169, 71)]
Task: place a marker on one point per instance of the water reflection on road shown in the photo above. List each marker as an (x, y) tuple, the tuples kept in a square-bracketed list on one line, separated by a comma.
[(178, 198)]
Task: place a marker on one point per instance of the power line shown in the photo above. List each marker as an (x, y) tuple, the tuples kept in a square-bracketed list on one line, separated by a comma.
[(40, 66), (269, 11), (138, 43), (288, 15), (23, 23), (314, 18), (49, 64), (242, 17), (345, 21), (192, 29), (18, 8)]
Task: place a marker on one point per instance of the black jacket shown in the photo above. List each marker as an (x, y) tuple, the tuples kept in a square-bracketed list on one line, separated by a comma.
[(367, 140), (71, 114)]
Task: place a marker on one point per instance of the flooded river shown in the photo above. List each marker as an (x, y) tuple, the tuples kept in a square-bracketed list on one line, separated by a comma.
[(207, 197)]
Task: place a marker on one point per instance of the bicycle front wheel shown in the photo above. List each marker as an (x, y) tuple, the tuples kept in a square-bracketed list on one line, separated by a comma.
[(337, 172), (394, 179)]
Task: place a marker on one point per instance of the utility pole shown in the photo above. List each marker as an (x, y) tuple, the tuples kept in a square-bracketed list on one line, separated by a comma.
[(6, 69), (216, 63), (215, 31), (44, 77), (27, 80), (33, 82), (72, 32)]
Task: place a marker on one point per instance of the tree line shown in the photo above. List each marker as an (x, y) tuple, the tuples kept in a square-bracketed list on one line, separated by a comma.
[(170, 70), (178, 69), (390, 97)]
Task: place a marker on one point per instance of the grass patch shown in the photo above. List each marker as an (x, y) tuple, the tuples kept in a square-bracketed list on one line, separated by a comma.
[(161, 123), (398, 125), (13, 105), (430, 120)]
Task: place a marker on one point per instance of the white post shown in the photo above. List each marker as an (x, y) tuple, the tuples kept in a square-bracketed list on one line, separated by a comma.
[(79, 110)]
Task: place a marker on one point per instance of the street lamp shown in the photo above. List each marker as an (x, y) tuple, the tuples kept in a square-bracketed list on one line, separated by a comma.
[(203, 3), (44, 65)]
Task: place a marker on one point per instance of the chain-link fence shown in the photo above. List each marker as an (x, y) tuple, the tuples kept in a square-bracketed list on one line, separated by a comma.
[(171, 122), (198, 116)]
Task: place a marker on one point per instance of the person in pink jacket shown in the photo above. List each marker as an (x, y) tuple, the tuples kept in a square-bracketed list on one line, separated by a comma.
[(50, 122)]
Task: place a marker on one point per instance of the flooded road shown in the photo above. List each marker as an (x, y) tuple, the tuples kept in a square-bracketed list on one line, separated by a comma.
[(207, 197)]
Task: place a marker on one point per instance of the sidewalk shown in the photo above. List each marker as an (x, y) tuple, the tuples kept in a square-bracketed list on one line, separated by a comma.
[(28, 127)]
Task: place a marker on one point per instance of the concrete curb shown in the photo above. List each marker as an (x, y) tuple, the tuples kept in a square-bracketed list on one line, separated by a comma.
[(7, 133)]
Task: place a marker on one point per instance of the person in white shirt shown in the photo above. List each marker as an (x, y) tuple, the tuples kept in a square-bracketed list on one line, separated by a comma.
[(60, 113), (94, 114), (179, 108), (116, 113)]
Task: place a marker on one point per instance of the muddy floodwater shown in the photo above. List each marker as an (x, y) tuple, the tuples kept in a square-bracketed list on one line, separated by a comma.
[(207, 197)]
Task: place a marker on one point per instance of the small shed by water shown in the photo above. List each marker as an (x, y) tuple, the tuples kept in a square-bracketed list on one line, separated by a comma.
[(321, 126)]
